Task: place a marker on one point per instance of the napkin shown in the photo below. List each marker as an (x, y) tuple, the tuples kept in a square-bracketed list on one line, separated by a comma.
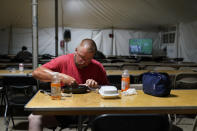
[(130, 91)]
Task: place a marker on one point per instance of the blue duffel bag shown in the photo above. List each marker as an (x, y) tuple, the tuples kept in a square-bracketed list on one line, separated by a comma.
[(156, 84)]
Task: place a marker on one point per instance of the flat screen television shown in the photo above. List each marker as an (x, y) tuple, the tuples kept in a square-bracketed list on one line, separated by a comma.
[(140, 47)]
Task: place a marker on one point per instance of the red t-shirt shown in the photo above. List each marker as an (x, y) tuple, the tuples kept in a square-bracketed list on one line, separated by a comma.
[(65, 64)]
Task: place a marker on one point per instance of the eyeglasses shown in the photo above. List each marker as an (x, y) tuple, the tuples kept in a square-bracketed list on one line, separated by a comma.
[(84, 58)]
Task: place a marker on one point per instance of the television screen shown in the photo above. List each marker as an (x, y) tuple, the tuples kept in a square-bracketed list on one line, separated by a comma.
[(140, 46)]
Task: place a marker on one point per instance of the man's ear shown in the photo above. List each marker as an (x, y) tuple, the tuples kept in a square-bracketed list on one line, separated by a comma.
[(75, 49)]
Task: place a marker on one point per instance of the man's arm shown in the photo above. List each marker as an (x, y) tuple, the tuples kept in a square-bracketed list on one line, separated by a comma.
[(42, 74), (46, 75)]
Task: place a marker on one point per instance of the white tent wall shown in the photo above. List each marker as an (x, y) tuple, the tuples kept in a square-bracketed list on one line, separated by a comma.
[(187, 47), (188, 41), (119, 47), (121, 42), (46, 41), (23, 37), (4, 40), (76, 36), (20, 37), (103, 41), (171, 50)]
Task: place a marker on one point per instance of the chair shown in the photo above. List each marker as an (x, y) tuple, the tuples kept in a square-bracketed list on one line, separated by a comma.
[(164, 68), (156, 68), (111, 67), (194, 124), (188, 68), (2, 93), (115, 80), (117, 60), (149, 67), (4, 99), (133, 122), (20, 90), (130, 67), (186, 81)]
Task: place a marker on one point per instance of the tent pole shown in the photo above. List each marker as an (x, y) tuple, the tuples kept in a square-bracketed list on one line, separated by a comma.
[(56, 28), (35, 33), (10, 40), (113, 40), (177, 41)]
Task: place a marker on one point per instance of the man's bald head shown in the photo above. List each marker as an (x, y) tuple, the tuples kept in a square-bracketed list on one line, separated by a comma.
[(84, 53), (89, 44)]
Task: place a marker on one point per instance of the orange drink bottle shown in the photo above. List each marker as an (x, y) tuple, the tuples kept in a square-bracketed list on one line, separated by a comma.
[(125, 81), (55, 87)]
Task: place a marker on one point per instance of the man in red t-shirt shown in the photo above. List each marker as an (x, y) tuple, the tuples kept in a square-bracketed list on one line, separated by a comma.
[(74, 69)]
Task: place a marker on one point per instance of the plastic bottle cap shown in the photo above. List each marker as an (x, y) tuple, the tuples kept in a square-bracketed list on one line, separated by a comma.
[(125, 71)]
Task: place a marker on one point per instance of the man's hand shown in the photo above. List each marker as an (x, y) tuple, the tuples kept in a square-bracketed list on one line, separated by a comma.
[(68, 80), (44, 74), (91, 83)]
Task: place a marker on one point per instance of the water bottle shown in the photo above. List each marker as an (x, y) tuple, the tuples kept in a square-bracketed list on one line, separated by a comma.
[(125, 81), (21, 67), (55, 87)]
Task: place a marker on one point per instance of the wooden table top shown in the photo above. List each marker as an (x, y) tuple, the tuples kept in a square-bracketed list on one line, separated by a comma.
[(151, 63), (109, 72), (139, 72), (15, 73), (180, 101)]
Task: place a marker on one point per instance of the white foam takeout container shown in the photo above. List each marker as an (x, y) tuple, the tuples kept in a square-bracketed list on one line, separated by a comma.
[(108, 92)]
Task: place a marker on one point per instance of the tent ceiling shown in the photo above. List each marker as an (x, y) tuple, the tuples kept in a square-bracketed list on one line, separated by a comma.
[(137, 14)]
